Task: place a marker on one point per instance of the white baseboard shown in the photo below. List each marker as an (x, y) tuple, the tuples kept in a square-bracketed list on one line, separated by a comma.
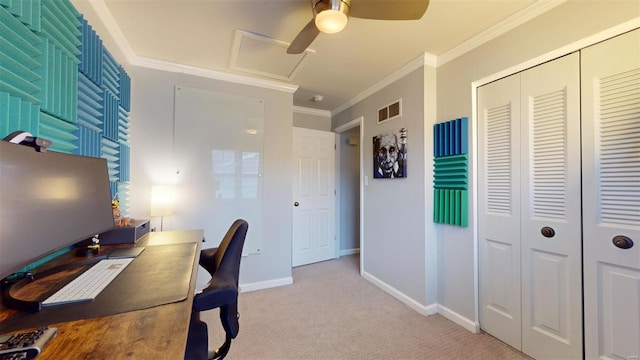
[(349, 252), (431, 309), (468, 324), (422, 309), (260, 285)]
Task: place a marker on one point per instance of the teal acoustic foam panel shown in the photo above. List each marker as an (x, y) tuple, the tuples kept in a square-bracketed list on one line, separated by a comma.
[(451, 172)]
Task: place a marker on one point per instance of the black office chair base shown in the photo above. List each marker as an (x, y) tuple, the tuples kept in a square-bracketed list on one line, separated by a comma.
[(222, 351)]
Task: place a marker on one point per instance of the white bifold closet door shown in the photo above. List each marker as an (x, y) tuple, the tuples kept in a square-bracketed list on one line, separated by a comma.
[(530, 213), (611, 180), (499, 208)]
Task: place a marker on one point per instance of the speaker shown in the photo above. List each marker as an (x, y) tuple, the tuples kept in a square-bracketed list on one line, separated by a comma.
[(125, 234)]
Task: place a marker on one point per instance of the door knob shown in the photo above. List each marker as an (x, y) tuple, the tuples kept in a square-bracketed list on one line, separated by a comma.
[(296, 203), (548, 232), (622, 242)]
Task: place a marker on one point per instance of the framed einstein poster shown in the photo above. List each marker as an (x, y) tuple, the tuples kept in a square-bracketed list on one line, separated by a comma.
[(390, 155)]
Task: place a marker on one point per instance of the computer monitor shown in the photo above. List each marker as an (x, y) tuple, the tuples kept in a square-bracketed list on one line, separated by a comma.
[(48, 202)]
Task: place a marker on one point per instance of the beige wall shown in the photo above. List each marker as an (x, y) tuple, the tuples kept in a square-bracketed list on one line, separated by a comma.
[(396, 250)]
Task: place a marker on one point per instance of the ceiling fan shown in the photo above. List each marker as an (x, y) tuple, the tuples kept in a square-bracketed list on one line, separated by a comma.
[(330, 16)]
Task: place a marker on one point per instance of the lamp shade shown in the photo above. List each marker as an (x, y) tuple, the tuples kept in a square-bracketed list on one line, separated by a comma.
[(331, 21), (161, 200)]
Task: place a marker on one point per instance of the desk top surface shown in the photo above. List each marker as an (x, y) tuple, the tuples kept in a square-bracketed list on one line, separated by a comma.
[(156, 332)]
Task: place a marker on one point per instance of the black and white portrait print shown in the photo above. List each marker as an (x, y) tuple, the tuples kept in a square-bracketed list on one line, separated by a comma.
[(390, 155)]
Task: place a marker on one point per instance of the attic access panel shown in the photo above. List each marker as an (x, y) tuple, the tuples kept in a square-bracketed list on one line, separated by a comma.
[(264, 56)]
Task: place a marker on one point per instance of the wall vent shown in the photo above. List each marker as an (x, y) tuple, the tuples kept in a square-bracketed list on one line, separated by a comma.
[(391, 111)]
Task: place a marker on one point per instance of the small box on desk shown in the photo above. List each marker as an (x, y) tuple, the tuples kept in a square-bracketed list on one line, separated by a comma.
[(125, 234)]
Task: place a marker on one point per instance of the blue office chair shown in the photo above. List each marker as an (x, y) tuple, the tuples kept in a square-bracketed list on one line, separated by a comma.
[(223, 263)]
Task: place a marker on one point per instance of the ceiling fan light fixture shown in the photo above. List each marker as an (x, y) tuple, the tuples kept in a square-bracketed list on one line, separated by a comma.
[(331, 21)]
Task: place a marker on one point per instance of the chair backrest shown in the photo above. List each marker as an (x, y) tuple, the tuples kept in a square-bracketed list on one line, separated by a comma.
[(223, 263), (224, 267), (229, 251)]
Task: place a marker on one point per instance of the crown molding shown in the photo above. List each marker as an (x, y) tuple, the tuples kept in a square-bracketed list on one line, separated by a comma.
[(425, 59), (213, 74), (506, 25), (311, 111), (583, 43), (105, 16), (110, 24), (524, 15)]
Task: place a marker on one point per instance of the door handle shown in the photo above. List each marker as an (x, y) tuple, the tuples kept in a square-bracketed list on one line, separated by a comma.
[(548, 232), (622, 242), (296, 203)]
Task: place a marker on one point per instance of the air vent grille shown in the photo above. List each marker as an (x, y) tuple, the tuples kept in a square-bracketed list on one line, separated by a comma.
[(391, 111)]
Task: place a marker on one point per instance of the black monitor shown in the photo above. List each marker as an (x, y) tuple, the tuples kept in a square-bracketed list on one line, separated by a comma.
[(48, 202)]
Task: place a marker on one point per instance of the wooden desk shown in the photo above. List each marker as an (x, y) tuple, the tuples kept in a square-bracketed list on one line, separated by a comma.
[(159, 332)]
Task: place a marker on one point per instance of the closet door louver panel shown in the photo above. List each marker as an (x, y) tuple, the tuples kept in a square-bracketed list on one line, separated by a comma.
[(619, 148), (549, 150), (498, 159)]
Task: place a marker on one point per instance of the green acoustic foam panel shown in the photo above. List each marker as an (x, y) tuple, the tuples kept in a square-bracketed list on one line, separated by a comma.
[(450, 207), (26, 11), (59, 82), (18, 114), (60, 132), (451, 172), (61, 26)]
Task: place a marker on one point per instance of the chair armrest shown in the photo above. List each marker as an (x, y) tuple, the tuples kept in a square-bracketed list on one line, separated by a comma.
[(206, 260), (219, 292)]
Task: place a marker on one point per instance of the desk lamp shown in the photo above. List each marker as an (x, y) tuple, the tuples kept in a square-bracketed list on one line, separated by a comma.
[(161, 202)]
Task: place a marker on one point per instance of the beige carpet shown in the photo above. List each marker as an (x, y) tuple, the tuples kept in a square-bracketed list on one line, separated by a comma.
[(330, 312)]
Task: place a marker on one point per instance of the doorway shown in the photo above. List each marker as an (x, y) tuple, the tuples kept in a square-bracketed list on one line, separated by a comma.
[(314, 194), (349, 187)]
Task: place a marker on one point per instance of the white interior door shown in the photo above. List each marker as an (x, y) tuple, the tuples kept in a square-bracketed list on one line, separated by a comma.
[(551, 213), (611, 181), (529, 179), (499, 209), (313, 196)]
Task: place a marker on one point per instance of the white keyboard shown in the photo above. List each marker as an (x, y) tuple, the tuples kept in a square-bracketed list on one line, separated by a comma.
[(90, 283)]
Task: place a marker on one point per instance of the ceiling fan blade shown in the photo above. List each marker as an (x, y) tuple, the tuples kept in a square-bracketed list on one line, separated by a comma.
[(388, 9), (304, 38)]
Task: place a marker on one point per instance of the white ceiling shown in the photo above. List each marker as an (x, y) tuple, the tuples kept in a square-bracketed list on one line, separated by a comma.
[(205, 34)]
